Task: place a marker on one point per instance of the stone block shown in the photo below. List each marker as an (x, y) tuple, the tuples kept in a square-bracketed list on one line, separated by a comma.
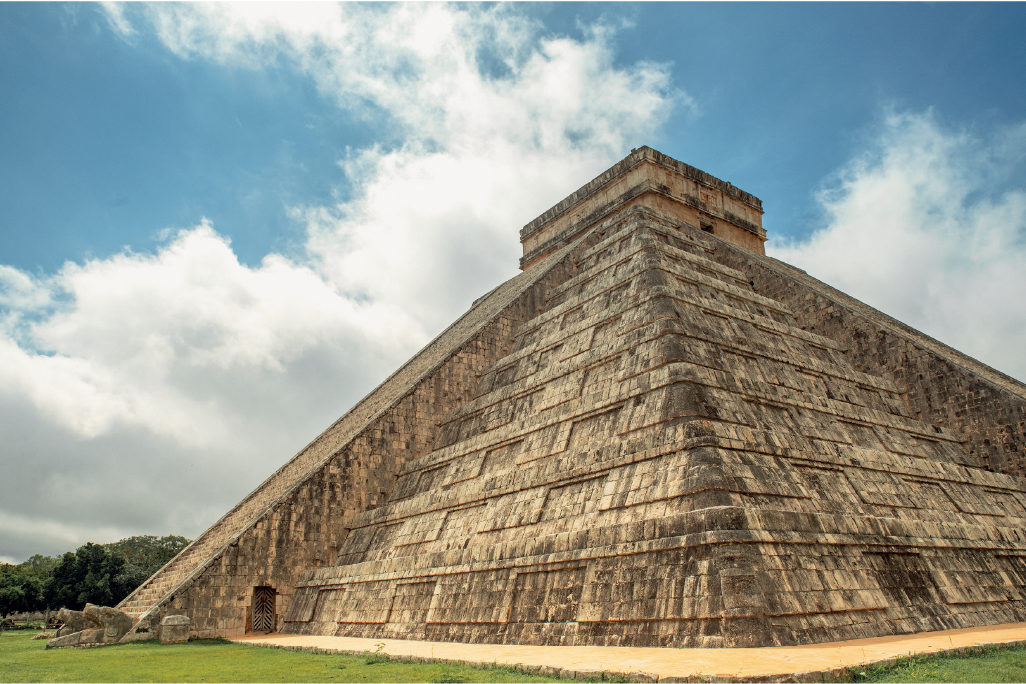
[(174, 629)]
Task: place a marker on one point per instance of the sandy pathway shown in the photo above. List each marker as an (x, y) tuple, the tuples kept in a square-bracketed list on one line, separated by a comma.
[(670, 664)]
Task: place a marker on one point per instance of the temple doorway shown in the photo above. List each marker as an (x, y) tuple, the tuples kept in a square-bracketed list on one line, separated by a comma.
[(263, 609)]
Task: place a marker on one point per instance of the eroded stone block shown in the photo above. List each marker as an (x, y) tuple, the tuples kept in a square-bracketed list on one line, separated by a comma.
[(174, 629), (113, 625)]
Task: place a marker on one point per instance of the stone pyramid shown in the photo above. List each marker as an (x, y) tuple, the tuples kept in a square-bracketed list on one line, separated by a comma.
[(654, 436)]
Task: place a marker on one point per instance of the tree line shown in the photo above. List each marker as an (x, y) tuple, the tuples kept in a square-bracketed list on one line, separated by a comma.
[(102, 574)]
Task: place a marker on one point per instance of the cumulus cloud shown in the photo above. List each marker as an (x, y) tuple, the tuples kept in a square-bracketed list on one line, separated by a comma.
[(149, 341), (160, 386), (489, 123), (929, 226), (147, 393)]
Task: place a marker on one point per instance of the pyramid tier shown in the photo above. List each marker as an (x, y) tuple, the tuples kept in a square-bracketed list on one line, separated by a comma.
[(666, 459)]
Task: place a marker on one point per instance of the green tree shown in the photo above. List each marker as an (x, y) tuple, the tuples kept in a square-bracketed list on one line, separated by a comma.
[(145, 555), (41, 565), (90, 575), (95, 573), (148, 553), (21, 591)]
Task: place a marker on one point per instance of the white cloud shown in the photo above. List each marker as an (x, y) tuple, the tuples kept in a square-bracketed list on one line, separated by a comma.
[(116, 17), (165, 385), (488, 124), (148, 392), (151, 340), (929, 226), (19, 292)]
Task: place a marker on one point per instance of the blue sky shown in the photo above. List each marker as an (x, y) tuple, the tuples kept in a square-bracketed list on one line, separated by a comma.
[(221, 225)]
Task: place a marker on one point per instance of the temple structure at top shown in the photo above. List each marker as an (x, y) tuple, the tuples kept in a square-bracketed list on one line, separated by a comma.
[(649, 178)]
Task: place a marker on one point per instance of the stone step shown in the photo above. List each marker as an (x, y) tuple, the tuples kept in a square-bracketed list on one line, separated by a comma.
[(151, 592)]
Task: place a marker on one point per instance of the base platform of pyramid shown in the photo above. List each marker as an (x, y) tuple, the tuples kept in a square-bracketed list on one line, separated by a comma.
[(642, 440)]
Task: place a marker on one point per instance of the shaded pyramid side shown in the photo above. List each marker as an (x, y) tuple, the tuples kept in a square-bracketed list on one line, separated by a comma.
[(942, 385), (291, 521), (666, 459)]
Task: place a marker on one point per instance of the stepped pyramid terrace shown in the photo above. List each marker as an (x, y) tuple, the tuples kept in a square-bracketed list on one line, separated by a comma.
[(655, 435)]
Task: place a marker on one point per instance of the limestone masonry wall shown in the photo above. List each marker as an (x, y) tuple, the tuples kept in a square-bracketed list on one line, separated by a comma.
[(942, 385), (666, 458), (296, 518)]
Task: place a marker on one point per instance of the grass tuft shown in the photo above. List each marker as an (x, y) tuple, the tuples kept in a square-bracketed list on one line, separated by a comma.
[(377, 656)]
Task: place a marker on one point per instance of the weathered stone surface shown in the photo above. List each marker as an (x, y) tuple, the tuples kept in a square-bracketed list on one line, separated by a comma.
[(144, 628), (174, 629), (295, 520), (665, 459), (113, 625), (647, 177), (942, 386), (655, 436), (74, 621)]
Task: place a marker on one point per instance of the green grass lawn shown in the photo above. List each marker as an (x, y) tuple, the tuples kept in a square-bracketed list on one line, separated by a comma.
[(23, 660), (990, 666)]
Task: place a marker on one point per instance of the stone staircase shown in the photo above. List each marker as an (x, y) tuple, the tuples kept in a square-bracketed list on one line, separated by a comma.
[(254, 507), (150, 592)]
